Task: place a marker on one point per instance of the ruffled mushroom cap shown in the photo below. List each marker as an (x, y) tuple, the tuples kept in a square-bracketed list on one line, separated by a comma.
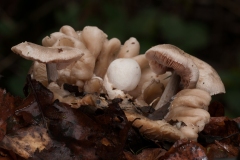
[(190, 106), (108, 54), (93, 38), (130, 48), (123, 75), (68, 30), (90, 39), (60, 39)]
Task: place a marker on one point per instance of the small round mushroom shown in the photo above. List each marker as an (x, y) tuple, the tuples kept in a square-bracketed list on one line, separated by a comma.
[(123, 75), (190, 106), (130, 48), (167, 57)]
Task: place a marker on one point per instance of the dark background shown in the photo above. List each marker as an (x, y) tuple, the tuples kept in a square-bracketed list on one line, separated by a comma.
[(207, 29)]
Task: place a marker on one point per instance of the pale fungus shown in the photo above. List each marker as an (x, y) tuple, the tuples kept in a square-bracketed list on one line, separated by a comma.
[(190, 106), (123, 75)]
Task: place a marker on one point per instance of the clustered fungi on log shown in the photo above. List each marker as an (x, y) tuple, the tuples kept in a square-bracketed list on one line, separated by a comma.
[(98, 66)]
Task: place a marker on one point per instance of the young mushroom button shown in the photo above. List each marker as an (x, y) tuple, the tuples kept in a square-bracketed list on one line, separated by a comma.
[(123, 75), (167, 57)]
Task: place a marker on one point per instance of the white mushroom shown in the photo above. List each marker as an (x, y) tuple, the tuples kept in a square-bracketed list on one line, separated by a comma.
[(123, 75)]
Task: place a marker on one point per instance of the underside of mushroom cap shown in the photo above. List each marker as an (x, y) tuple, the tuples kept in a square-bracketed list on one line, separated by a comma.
[(168, 57)]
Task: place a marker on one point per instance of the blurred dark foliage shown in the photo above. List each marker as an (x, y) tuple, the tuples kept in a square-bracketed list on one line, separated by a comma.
[(207, 29)]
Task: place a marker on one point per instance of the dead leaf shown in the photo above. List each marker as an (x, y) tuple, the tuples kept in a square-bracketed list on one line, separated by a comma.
[(185, 150), (216, 109)]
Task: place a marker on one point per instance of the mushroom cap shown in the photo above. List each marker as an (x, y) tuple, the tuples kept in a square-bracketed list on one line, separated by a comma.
[(168, 57), (60, 39), (42, 54), (209, 80), (124, 74)]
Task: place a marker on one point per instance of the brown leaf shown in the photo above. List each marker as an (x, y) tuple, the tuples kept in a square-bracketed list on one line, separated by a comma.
[(216, 109), (146, 154), (220, 126), (221, 137), (185, 150), (7, 106)]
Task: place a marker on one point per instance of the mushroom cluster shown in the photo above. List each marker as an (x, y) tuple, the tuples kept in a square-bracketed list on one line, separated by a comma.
[(95, 64)]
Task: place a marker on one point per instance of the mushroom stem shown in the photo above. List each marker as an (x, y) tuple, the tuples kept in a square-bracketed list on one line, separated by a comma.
[(161, 109), (52, 73), (169, 91)]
